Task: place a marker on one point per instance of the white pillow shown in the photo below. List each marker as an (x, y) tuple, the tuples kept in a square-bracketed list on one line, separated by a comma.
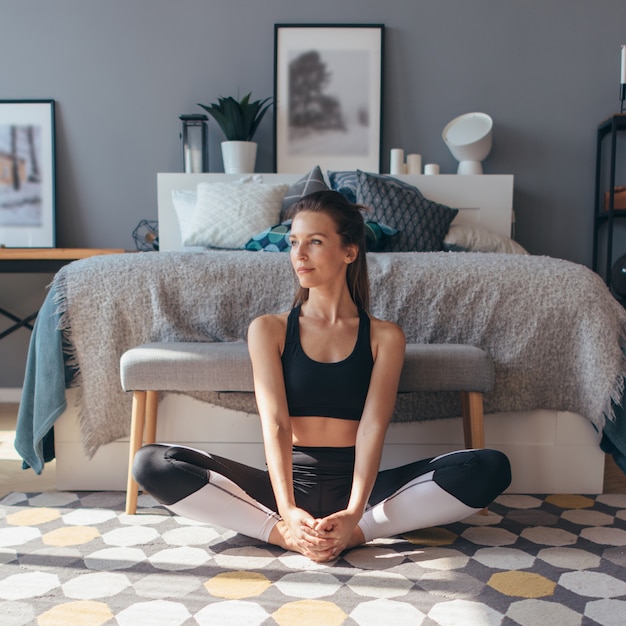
[(184, 201), (227, 215), (479, 239)]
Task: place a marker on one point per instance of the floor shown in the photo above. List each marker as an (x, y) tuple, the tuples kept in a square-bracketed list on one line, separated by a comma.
[(14, 478)]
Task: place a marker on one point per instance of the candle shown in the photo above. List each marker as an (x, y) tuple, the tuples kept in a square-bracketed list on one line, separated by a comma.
[(431, 169), (396, 163), (623, 72), (196, 160), (193, 160), (414, 163)]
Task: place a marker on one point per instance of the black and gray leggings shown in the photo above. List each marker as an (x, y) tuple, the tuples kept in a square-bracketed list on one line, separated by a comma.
[(422, 494)]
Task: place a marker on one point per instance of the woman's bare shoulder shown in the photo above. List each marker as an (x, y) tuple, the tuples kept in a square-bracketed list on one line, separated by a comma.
[(270, 326), (384, 332), (385, 329)]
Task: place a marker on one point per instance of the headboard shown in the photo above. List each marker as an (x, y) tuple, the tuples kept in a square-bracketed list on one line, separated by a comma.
[(485, 201)]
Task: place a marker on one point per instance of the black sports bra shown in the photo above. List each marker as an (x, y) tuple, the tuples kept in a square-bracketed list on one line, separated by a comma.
[(327, 389)]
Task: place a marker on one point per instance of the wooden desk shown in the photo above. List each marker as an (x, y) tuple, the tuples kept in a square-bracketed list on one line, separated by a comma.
[(45, 260), (39, 261)]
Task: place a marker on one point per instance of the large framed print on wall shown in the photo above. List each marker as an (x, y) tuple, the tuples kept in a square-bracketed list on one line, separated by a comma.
[(328, 97), (27, 175)]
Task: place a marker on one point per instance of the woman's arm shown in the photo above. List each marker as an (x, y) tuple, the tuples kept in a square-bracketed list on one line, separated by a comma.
[(381, 400), (265, 341), (265, 336), (388, 347)]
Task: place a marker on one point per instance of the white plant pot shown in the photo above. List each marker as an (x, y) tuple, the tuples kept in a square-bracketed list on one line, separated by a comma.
[(239, 156)]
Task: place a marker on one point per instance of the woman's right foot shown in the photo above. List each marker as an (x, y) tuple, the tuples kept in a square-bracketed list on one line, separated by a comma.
[(280, 536)]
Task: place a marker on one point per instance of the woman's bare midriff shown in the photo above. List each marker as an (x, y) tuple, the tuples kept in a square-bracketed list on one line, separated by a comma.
[(323, 432)]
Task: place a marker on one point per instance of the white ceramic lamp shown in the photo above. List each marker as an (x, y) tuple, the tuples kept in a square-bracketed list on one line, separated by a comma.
[(469, 139)]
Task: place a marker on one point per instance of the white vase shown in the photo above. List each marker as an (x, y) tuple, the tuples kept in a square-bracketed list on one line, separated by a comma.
[(239, 156)]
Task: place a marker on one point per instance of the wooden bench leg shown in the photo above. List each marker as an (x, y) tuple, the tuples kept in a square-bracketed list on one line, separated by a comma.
[(137, 423), (473, 422), (152, 406)]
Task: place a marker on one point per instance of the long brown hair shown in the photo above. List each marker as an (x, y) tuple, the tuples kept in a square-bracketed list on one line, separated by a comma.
[(351, 228)]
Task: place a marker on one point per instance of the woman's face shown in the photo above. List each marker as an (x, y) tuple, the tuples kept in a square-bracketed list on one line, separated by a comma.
[(318, 254)]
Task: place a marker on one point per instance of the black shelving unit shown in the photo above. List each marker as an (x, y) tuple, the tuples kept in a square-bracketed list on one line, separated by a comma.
[(608, 128)]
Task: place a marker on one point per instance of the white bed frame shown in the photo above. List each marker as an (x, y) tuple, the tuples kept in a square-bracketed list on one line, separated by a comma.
[(550, 451)]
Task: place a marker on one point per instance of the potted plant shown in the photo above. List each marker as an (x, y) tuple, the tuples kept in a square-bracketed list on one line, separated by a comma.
[(239, 120)]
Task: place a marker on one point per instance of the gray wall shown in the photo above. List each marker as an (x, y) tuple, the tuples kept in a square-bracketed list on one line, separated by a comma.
[(121, 72)]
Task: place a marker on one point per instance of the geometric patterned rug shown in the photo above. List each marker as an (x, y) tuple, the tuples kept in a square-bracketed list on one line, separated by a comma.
[(77, 559)]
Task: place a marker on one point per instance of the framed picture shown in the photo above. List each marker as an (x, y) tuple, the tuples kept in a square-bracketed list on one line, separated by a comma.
[(328, 97), (27, 177)]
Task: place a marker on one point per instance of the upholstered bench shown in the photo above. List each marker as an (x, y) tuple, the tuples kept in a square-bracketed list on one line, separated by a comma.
[(184, 367)]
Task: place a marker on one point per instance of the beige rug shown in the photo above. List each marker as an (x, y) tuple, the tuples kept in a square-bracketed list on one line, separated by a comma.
[(77, 558)]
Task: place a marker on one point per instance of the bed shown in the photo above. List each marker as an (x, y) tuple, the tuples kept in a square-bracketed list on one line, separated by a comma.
[(552, 328)]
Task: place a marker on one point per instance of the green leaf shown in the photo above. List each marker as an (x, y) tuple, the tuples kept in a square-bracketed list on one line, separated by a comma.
[(239, 120)]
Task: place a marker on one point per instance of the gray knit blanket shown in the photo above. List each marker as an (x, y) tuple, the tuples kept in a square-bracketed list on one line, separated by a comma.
[(551, 326)]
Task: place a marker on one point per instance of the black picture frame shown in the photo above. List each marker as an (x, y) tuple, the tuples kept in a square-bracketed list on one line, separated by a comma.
[(27, 174), (328, 97)]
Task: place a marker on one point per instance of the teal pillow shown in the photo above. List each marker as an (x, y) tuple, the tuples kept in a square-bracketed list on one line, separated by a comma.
[(377, 235), (272, 239), (345, 183)]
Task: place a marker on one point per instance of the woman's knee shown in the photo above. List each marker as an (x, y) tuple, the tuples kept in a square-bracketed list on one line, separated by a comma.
[(148, 462), (165, 472), (475, 477), (496, 469)]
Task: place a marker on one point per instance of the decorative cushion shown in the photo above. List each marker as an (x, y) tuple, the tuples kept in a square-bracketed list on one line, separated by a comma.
[(345, 183), (422, 223), (272, 239), (468, 238), (377, 235), (227, 215), (309, 183)]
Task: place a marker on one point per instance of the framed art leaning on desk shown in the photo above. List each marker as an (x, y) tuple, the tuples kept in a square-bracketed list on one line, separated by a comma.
[(27, 174)]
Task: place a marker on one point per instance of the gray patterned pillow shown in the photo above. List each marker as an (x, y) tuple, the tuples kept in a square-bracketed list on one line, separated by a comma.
[(313, 181), (422, 223)]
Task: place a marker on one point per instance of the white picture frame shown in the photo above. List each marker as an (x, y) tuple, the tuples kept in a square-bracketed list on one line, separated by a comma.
[(27, 174), (328, 81)]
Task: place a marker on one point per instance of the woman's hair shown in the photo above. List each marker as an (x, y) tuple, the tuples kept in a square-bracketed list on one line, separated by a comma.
[(350, 226)]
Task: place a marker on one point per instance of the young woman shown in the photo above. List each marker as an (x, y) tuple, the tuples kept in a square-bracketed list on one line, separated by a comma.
[(326, 377)]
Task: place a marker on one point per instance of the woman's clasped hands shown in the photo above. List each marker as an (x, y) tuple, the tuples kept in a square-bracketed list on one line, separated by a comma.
[(320, 539)]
